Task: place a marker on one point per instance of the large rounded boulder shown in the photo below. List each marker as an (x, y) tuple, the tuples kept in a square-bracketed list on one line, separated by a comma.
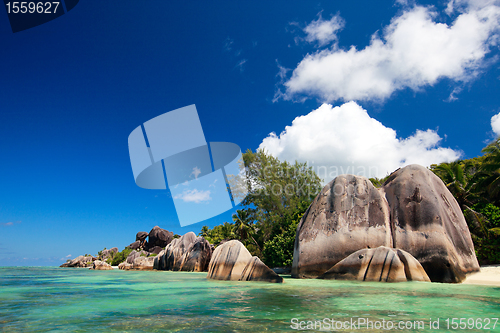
[(428, 223), (172, 257), (232, 261), (159, 237), (197, 256), (348, 215)]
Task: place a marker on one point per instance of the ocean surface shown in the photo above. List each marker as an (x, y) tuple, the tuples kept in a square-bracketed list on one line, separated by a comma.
[(49, 299)]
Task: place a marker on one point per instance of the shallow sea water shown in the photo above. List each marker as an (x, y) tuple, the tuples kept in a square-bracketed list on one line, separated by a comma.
[(49, 299)]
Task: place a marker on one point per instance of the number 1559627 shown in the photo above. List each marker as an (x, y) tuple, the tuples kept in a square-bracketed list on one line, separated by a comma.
[(25, 7)]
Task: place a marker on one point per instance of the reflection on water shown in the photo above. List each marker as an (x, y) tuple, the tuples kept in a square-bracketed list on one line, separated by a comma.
[(46, 299)]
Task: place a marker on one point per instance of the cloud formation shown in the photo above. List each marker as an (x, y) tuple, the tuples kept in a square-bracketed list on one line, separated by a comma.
[(345, 139), (8, 224), (414, 51), (495, 124), (322, 31), (194, 196)]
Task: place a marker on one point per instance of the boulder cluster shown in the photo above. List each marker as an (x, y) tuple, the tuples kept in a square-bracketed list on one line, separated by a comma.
[(412, 222), (187, 253), (80, 261), (410, 229)]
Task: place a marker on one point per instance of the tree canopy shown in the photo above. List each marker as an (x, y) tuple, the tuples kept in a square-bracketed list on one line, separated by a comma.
[(278, 195)]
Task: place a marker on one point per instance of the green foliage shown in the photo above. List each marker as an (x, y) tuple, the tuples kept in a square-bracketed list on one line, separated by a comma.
[(278, 252), (487, 249), (379, 182), (490, 212), (218, 233), (278, 195), (99, 254), (276, 189), (120, 257)]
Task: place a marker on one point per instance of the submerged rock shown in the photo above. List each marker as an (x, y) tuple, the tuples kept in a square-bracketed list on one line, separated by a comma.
[(413, 211), (232, 261), (380, 264)]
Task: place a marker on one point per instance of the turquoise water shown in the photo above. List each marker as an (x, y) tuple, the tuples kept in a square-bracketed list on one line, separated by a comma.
[(44, 299)]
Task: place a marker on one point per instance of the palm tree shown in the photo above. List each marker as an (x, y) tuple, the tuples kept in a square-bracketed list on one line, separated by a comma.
[(204, 232), (459, 181), (244, 226), (491, 169)]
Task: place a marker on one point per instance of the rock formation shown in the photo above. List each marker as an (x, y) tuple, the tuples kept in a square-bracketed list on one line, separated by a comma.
[(135, 254), (413, 211), (141, 238), (159, 237), (143, 263), (101, 265), (349, 214), (135, 245), (124, 265), (428, 223), (197, 256), (105, 254), (187, 253), (232, 261), (80, 261), (380, 264)]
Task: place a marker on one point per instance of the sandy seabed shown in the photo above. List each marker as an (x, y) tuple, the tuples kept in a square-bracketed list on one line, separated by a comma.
[(487, 276)]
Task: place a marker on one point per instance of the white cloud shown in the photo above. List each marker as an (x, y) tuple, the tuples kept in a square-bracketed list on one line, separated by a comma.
[(495, 124), (323, 31), (414, 51), (8, 224), (194, 196), (240, 65), (345, 139), (196, 172)]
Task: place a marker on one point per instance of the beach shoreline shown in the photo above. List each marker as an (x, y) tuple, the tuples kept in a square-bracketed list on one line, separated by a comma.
[(489, 275)]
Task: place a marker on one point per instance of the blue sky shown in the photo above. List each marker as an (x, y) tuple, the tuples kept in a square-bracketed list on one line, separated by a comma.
[(364, 85)]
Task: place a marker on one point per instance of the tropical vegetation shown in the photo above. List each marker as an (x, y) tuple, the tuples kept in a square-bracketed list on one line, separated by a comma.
[(278, 195)]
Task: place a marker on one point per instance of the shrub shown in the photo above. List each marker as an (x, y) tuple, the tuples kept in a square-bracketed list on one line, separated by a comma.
[(120, 257)]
